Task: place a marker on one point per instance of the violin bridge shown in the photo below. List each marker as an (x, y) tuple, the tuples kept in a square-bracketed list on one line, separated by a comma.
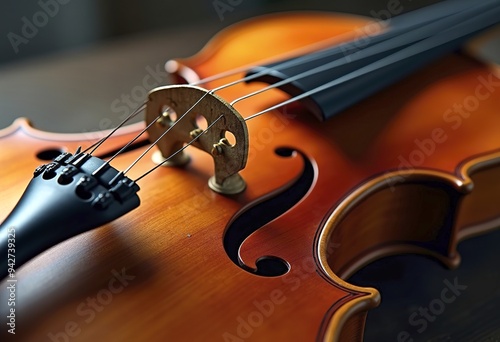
[(166, 105)]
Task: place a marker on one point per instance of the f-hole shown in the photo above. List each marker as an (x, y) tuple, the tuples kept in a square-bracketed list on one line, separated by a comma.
[(250, 220)]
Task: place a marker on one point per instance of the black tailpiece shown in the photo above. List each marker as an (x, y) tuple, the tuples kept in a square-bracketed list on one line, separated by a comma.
[(69, 196)]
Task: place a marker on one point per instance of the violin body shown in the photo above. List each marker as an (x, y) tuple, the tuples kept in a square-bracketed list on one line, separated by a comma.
[(412, 169)]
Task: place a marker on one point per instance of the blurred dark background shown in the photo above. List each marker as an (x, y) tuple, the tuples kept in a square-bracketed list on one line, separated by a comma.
[(72, 24), (84, 55)]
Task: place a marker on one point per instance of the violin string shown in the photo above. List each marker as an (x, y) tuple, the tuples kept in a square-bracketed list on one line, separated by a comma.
[(337, 40), (97, 144), (298, 51), (127, 145), (178, 151), (134, 139), (323, 49), (228, 73), (386, 45), (301, 52), (164, 134), (288, 63), (346, 49), (369, 68), (441, 38)]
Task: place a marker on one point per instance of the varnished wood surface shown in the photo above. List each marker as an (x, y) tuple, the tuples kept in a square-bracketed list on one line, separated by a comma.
[(118, 245)]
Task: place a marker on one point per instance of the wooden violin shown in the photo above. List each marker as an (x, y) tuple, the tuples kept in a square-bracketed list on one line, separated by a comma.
[(282, 161)]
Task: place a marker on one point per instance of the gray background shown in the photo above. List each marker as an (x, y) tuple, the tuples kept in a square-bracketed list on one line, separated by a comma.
[(85, 23)]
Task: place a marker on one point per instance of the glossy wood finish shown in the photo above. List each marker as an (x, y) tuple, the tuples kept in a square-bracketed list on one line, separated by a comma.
[(365, 202)]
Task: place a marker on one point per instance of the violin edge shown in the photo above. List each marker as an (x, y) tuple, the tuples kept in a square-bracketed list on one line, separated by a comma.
[(24, 125), (462, 226)]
